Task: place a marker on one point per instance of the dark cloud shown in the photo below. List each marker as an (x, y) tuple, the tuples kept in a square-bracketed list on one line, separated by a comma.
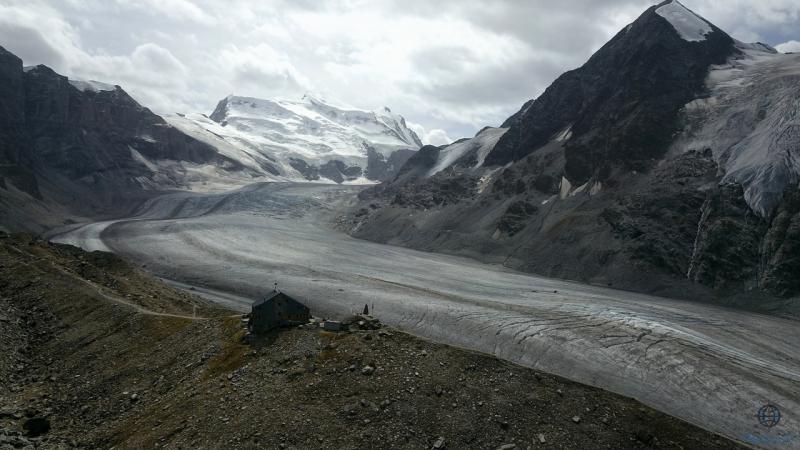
[(30, 45), (460, 78)]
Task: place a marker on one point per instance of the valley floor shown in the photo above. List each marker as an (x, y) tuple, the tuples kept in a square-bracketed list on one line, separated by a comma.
[(98, 354), (711, 366)]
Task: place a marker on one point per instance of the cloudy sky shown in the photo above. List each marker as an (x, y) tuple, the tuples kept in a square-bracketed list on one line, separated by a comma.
[(449, 66)]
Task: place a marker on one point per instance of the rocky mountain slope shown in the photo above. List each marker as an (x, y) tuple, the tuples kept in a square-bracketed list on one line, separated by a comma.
[(309, 139), (669, 163), (73, 148), (94, 353)]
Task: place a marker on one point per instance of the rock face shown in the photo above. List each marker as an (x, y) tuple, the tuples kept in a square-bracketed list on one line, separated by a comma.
[(339, 172), (12, 107), (650, 168), (84, 147), (13, 138), (780, 250), (87, 134), (382, 168)]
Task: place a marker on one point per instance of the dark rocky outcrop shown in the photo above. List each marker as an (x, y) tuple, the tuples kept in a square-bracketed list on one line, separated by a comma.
[(380, 168), (516, 217), (86, 133), (339, 172), (308, 171), (12, 107), (779, 268), (436, 192), (13, 138), (419, 163), (335, 170), (220, 112)]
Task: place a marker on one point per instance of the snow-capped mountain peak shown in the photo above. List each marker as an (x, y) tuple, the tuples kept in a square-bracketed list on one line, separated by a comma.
[(302, 139)]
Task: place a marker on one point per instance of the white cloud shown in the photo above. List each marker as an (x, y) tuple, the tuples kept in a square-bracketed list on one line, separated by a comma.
[(152, 57), (789, 47), (180, 10), (261, 70), (437, 137)]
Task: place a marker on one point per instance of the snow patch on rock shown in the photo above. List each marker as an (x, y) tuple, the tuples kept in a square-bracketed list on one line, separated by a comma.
[(92, 86), (565, 135), (689, 25), (481, 144), (566, 187), (142, 160)]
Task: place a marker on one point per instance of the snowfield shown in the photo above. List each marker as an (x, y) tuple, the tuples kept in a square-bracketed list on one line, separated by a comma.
[(689, 25), (480, 145), (266, 135), (709, 365), (92, 86)]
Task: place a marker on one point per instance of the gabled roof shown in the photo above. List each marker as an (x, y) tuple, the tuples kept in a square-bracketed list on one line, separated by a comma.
[(267, 298), (278, 295)]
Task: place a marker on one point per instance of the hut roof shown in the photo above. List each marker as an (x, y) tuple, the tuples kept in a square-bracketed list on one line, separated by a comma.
[(277, 295), (268, 297)]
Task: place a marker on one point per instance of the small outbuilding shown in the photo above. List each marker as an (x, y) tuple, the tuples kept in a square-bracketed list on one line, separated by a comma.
[(332, 325), (277, 310)]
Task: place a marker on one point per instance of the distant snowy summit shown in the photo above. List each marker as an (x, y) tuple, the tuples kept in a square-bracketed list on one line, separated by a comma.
[(306, 140)]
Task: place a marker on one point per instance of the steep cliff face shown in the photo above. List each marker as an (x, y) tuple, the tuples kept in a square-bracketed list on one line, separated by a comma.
[(13, 137), (90, 134), (780, 253), (621, 108), (666, 164), (71, 148), (12, 106)]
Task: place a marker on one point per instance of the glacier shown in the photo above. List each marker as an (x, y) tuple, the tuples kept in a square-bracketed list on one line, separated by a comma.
[(751, 122)]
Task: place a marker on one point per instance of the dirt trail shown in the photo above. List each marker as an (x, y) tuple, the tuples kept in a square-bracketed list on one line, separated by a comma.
[(102, 292)]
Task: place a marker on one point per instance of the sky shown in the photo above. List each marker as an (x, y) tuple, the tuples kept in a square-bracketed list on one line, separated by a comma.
[(450, 67)]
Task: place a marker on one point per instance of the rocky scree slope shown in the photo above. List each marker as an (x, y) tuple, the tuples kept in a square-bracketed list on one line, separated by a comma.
[(667, 164), (71, 148), (306, 140), (101, 355)]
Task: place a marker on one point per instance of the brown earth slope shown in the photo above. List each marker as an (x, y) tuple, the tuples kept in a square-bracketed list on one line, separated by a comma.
[(94, 353)]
